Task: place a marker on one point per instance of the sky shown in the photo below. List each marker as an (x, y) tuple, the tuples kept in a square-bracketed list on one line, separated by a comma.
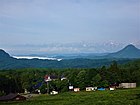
[(56, 26)]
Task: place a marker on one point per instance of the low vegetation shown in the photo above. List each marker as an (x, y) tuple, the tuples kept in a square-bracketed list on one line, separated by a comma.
[(117, 97)]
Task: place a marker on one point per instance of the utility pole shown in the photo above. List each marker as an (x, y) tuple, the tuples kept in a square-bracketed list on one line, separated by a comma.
[(48, 87), (47, 79)]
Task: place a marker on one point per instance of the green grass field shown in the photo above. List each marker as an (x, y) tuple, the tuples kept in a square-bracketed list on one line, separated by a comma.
[(117, 97)]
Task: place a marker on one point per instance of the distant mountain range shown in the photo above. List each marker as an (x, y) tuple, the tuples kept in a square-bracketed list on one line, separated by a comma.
[(82, 61), (129, 51)]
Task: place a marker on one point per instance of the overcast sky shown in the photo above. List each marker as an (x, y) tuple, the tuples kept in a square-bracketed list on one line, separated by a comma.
[(39, 22)]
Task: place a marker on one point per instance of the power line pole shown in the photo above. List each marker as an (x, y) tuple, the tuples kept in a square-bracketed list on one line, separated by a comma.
[(48, 87)]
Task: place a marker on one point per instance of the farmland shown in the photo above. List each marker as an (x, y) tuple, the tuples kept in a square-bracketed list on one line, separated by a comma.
[(117, 97)]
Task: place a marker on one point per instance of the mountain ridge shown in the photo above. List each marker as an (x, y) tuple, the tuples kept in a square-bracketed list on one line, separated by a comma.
[(125, 55), (3, 54), (130, 51)]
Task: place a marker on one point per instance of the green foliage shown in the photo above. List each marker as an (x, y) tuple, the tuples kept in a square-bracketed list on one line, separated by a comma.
[(18, 80), (81, 79), (96, 80), (2, 93), (43, 89), (104, 83)]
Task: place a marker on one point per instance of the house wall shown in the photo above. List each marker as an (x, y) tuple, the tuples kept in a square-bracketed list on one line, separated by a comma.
[(127, 85), (76, 89), (89, 89)]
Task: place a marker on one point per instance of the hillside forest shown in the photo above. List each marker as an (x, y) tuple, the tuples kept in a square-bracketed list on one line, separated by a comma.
[(16, 81)]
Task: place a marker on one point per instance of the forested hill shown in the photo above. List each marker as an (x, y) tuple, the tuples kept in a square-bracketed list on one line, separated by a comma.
[(8, 62), (12, 63), (129, 51)]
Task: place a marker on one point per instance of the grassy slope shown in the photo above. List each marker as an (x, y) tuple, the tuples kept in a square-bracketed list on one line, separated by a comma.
[(117, 97)]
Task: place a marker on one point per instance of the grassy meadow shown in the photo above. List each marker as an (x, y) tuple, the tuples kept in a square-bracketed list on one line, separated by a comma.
[(117, 97)]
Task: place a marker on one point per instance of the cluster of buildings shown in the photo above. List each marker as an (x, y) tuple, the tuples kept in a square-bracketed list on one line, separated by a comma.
[(17, 97), (111, 87), (48, 78)]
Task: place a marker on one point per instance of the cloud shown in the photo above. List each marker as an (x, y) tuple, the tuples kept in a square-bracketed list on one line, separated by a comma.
[(43, 21)]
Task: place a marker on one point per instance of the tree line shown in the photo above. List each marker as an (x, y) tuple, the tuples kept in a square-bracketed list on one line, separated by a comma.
[(16, 81)]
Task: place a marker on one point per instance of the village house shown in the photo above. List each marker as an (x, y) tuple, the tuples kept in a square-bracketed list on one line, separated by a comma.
[(111, 88), (90, 89), (76, 89), (12, 97), (50, 78), (127, 85), (54, 93), (70, 87)]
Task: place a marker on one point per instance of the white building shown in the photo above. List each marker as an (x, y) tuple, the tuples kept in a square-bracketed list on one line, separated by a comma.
[(111, 88), (127, 85), (54, 92), (89, 89)]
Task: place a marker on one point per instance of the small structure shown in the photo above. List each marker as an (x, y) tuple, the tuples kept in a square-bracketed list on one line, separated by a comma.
[(111, 88), (90, 89), (70, 87), (47, 78), (54, 92), (12, 97), (25, 91), (95, 88), (101, 89), (127, 85), (76, 89), (39, 92), (50, 78), (63, 78)]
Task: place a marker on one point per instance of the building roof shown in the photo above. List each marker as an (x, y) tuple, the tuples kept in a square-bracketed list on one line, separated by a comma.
[(50, 77), (10, 96)]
